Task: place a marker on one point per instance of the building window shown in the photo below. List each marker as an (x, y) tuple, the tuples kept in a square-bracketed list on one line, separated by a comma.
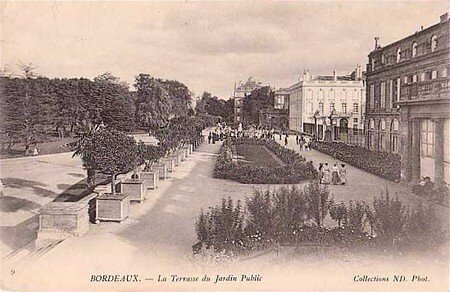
[(399, 54), (397, 98), (433, 43), (383, 61), (383, 95), (447, 140), (414, 49), (381, 135), (414, 78), (405, 79), (391, 93), (238, 110), (309, 107), (371, 134), (332, 94), (355, 120), (423, 76), (427, 138), (321, 94), (355, 107), (344, 107), (434, 74), (331, 106), (444, 73), (321, 107), (372, 96), (394, 136)]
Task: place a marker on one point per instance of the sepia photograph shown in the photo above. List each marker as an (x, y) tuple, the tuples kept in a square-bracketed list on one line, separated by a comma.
[(224, 145)]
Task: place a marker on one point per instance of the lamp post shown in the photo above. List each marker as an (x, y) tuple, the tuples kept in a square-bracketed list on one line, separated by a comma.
[(332, 115), (316, 114)]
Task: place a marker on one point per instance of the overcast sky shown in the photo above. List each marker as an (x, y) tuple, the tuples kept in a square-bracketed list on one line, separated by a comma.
[(206, 45)]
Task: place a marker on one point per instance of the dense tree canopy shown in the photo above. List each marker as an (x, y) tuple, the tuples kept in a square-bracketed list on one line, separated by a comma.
[(35, 107), (214, 106), (109, 151), (160, 100), (259, 99)]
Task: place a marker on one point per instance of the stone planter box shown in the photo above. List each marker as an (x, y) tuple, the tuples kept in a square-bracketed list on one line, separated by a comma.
[(169, 162), (161, 168), (187, 151), (151, 178), (112, 208), (58, 220), (183, 154), (136, 188), (177, 158)]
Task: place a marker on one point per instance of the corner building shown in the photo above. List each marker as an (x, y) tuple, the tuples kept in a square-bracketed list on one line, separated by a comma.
[(407, 102)]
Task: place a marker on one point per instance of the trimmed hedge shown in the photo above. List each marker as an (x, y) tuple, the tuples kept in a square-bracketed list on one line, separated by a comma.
[(383, 164), (294, 170)]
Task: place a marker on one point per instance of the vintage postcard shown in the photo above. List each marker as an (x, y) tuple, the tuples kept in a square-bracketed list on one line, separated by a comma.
[(224, 145)]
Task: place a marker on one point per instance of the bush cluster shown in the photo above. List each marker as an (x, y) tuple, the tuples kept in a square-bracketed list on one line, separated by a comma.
[(281, 216), (294, 170), (383, 164), (289, 216)]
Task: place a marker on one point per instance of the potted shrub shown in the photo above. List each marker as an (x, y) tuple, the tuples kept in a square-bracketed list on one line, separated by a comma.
[(111, 152), (169, 162), (160, 168)]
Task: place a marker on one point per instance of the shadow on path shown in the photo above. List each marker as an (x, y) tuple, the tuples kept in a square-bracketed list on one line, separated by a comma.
[(37, 187)]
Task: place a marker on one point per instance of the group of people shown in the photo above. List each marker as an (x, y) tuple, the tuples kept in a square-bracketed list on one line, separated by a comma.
[(303, 143), (337, 175)]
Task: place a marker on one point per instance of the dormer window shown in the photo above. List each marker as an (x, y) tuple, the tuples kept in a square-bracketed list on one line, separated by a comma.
[(414, 49), (433, 43), (399, 54)]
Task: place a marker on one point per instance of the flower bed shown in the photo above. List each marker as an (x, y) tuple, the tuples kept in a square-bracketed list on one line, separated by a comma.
[(294, 170), (383, 164)]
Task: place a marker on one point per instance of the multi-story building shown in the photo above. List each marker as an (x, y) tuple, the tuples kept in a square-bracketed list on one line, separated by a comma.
[(408, 105), (281, 100), (241, 91), (329, 106)]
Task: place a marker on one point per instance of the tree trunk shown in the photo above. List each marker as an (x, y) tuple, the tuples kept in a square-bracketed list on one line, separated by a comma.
[(113, 183)]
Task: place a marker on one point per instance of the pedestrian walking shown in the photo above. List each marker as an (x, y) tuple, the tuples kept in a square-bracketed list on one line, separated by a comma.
[(320, 172), (335, 179), (326, 179), (343, 174)]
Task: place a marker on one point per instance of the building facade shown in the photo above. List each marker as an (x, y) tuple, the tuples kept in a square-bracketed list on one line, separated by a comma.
[(281, 100), (241, 91), (407, 102), (330, 106)]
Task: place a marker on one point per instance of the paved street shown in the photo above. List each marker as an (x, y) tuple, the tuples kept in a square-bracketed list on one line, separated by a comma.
[(28, 184)]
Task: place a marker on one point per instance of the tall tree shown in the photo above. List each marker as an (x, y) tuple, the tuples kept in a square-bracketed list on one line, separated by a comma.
[(259, 99), (153, 104)]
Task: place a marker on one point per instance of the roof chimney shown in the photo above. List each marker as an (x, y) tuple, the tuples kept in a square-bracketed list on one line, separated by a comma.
[(444, 17), (334, 75)]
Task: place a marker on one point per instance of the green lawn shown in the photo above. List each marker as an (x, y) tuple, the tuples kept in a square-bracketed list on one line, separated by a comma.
[(53, 146), (257, 155)]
